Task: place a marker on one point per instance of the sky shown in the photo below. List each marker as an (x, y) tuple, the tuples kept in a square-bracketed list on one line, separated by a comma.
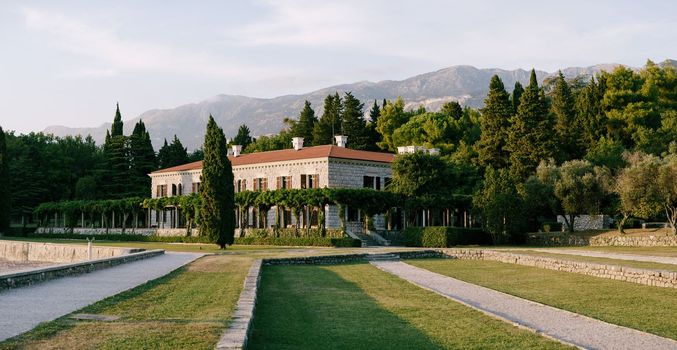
[(69, 62)]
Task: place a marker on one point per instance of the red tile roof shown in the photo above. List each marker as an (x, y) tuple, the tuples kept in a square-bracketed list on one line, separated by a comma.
[(325, 151)]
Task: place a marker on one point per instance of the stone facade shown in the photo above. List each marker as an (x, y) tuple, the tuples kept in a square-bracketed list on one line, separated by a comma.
[(563, 240), (587, 222), (331, 173), (647, 277)]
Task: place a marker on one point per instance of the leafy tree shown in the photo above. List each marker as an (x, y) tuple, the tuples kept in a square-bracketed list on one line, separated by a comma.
[(305, 124), (452, 109), (142, 161), (428, 129), (271, 143), (578, 186), (529, 140), (667, 189), (243, 137), (494, 124), (637, 188), (500, 205), (420, 174), (566, 127), (217, 193), (392, 117), (606, 152), (330, 123), (5, 199), (517, 92), (354, 124), (87, 188)]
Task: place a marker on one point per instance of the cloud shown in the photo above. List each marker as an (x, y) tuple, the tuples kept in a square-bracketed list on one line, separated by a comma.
[(112, 54)]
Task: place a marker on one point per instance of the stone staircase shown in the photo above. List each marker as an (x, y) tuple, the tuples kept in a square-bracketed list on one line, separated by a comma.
[(383, 257), (367, 241)]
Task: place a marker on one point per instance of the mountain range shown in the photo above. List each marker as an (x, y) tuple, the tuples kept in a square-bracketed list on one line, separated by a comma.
[(466, 84)]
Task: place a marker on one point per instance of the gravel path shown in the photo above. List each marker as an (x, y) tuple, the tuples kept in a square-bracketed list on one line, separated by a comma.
[(565, 326), (21, 309), (619, 256)]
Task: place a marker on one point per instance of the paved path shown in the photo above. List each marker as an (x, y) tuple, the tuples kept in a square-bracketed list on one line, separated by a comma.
[(618, 256), (565, 326), (21, 309)]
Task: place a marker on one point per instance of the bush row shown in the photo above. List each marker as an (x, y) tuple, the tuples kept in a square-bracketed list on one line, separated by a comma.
[(300, 241), (442, 237), (293, 233)]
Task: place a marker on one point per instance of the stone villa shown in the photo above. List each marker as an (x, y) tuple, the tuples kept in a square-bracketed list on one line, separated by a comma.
[(332, 166)]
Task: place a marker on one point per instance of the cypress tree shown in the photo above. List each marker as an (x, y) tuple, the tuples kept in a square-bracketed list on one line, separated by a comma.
[(172, 154), (116, 128), (354, 124), (374, 113), (374, 136), (305, 125), (5, 199), (494, 125), (243, 137), (517, 92), (330, 123), (567, 129), (163, 155), (142, 160), (529, 139), (217, 213)]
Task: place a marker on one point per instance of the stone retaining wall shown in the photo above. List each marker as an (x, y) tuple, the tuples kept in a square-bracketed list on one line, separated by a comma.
[(239, 329), (349, 258), (99, 231), (656, 278), (57, 253), (18, 279), (562, 240)]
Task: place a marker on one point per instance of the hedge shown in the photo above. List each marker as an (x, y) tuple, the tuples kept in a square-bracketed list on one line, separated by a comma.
[(122, 237), (442, 237), (300, 241)]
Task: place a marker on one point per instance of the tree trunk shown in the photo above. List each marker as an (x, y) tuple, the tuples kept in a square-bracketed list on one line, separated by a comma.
[(671, 214)]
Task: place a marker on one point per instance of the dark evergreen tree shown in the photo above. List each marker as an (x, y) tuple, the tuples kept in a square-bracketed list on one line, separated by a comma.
[(116, 128), (516, 94), (305, 124), (354, 124), (453, 109), (217, 212), (374, 135), (590, 115), (494, 124), (197, 155), (172, 154), (142, 161), (374, 113), (243, 137), (529, 139), (567, 129), (5, 197), (330, 123)]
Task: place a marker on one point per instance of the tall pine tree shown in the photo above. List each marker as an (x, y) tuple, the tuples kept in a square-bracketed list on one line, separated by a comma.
[(374, 136), (529, 138), (494, 124), (5, 199), (354, 124), (567, 129), (243, 137), (517, 92), (217, 213), (116, 171), (305, 125), (116, 128), (590, 114), (453, 109), (142, 160), (330, 122), (172, 154)]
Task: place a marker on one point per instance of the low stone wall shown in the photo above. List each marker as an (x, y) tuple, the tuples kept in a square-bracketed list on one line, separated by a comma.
[(57, 253), (349, 258), (656, 278), (562, 240), (99, 231), (18, 279), (239, 329)]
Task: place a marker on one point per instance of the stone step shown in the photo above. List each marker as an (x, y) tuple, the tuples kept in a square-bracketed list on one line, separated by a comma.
[(383, 257)]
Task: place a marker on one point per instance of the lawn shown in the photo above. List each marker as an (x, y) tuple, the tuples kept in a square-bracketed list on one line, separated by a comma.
[(606, 261), (357, 306), (656, 251), (649, 309), (189, 308)]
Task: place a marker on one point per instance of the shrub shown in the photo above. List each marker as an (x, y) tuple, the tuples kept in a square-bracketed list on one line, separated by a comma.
[(553, 226), (300, 241), (441, 237), (124, 237)]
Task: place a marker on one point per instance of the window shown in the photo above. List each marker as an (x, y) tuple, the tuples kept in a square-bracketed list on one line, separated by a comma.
[(353, 214), (179, 189), (161, 191), (283, 182), (196, 187), (173, 190), (260, 184), (310, 181), (378, 183), (241, 185), (368, 182)]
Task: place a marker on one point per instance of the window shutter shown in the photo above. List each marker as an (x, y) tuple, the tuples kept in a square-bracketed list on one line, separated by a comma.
[(304, 181), (279, 182), (289, 182)]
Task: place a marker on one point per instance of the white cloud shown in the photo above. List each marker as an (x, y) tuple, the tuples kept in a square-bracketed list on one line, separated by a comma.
[(112, 54)]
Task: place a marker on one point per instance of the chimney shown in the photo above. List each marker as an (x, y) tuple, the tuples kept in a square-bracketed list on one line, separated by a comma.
[(236, 150), (297, 142), (341, 140)]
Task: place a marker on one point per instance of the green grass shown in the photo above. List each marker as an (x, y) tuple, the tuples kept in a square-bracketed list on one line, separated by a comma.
[(606, 261), (357, 306), (649, 309), (655, 251), (189, 308)]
